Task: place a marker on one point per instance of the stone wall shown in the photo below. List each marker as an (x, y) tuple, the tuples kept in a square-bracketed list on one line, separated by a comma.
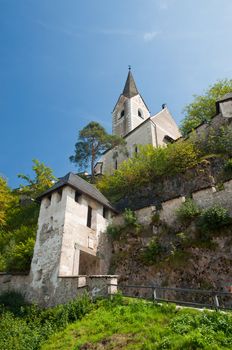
[(67, 288), (66, 247), (17, 283), (204, 198), (205, 175)]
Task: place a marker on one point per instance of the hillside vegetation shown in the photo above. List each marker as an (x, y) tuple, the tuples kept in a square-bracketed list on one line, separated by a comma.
[(151, 164), (119, 323), (136, 324)]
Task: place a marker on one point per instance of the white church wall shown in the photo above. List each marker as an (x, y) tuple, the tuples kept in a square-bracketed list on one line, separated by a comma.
[(166, 125), (141, 136), (137, 105)]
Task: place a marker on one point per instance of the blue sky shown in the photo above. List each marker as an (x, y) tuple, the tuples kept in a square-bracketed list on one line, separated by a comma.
[(64, 64)]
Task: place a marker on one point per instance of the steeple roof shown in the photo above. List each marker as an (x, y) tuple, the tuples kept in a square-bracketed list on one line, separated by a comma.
[(130, 88)]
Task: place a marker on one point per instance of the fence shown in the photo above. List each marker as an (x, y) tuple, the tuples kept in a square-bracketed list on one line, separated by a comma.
[(199, 298)]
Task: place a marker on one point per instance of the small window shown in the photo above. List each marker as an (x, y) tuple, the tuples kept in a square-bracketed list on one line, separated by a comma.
[(140, 113), (48, 201), (59, 195), (105, 212), (116, 164), (122, 114), (136, 149), (77, 196), (89, 217)]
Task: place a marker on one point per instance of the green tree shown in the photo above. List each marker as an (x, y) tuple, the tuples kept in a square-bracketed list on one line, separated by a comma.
[(203, 108), (93, 140), (18, 230), (5, 199), (44, 179)]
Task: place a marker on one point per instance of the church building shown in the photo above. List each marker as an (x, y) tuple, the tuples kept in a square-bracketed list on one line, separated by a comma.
[(132, 120)]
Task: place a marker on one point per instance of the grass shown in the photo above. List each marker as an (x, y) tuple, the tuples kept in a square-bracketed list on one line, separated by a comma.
[(120, 323), (136, 324)]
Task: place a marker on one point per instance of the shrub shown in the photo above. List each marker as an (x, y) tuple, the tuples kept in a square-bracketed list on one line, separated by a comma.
[(228, 166), (25, 327), (148, 165), (113, 231), (130, 217), (188, 211), (155, 219), (214, 218), (214, 141), (19, 255), (12, 301), (151, 252)]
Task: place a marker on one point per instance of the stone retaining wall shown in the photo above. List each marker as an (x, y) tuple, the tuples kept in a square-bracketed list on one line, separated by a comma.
[(204, 175), (67, 288), (205, 198)]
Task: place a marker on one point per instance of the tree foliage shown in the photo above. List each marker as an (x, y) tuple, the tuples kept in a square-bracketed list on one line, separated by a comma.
[(43, 179), (93, 140), (214, 141), (6, 199), (18, 229), (203, 107)]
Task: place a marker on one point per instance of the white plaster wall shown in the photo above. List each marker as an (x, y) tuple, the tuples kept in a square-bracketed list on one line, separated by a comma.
[(141, 136), (136, 104), (166, 125), (48, 243), (151, 132), (62, 234), (77, 236), (122, 126)]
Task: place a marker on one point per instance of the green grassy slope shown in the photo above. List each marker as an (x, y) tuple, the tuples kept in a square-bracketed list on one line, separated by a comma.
[(135, 324)]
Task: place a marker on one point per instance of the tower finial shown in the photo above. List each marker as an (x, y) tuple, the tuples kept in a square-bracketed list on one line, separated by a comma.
[(129, 67)]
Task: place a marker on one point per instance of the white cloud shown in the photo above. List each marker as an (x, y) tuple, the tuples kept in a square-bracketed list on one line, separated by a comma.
[(149, 36)]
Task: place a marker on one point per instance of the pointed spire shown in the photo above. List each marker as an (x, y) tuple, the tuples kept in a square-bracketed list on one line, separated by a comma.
[(130, 88)]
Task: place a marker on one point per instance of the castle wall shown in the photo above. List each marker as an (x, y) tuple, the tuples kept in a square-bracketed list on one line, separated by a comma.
[(64, 243), (204, 198), (78, 237), (46, 257), (68, 288), (209, 197)]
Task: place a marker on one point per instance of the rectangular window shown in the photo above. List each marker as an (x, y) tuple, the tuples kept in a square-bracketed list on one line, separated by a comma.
[(77, 196), (105, 212), (89, 216)]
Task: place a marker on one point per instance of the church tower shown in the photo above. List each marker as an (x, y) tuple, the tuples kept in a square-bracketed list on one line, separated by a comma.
[(130, 109)]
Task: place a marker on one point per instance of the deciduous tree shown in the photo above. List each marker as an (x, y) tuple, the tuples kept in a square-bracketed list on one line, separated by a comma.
[(203, 107)]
